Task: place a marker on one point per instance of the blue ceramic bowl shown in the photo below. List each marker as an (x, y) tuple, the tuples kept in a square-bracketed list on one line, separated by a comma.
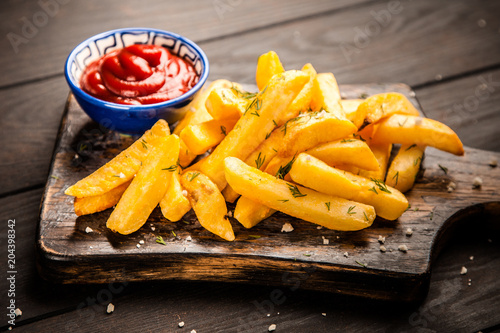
[(133, 119)]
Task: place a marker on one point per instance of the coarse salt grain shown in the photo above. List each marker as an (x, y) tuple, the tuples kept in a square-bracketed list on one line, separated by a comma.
[(122, 175), (451, 187), (346, 254), (319, 227), (184, 193), (153, 228), (381, 239), (409, 232), (463, 271), (193, 331), (181, 324), (323, 314), (382, 248), (493, 163), (138, 245), (141, 242), (18, 312), (326, 241), (403, 248), (477, 182), (110, 308), (230, 213), (88, 230), (471, 258), (188, 238), (287, 227), (269, 315), (272, 327)]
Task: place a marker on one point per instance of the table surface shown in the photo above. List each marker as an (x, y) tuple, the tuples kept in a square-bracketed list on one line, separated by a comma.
[(447, 51)]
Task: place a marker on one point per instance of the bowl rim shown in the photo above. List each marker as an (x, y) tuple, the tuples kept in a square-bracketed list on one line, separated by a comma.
[(170, 103)]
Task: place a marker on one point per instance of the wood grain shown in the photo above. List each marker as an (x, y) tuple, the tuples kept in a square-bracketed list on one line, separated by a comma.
[(68, 254)]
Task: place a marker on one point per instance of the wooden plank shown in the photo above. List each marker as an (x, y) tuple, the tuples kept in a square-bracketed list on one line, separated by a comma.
[(69, 254), (450, 306), (471, 106), (30, 117), (426, 39), (46, 46)]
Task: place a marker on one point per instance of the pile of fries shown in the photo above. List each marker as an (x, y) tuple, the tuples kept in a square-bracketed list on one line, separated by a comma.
[(295, 147)]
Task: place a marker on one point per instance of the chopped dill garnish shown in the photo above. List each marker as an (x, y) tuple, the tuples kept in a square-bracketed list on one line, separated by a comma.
[(360, 264), (144, 144), (347, 140), (284, 200), (193, 176), (223, 130), (417, 160), (259, 161), (295, 191), (374, 190), (173, 233), (396, 175), (445, 169), (410, 147), (254, 236), (171, 168), (160, 240), (350, 212), (284, 170), (366, 217), (328, 205), (243, 94), (381, 185)]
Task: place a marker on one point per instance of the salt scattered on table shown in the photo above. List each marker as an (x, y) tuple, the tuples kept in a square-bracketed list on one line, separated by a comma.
[(88, 230), (287, 227)]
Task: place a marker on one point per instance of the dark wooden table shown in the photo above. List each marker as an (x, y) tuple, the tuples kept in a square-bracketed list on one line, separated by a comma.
[(447, 51)]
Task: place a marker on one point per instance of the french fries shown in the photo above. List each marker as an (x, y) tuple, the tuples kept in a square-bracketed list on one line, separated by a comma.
[(208, 204), (410, 130), (404, 168), (319, 208), (253, 127), (388, 202), (175, 204), (122, 168), (147, 188), (306, 153), (98, 203)]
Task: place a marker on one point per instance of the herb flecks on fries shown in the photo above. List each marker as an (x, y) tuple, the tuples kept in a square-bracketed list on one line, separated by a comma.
[(294, 146)]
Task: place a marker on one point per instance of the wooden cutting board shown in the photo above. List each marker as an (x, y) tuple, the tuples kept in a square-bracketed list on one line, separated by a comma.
[(351, 263)]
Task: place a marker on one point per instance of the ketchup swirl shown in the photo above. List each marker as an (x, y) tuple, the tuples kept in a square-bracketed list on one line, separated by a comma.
[(138, 74)]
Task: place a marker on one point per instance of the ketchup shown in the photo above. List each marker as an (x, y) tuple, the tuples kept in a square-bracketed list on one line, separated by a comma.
[(138, 74)]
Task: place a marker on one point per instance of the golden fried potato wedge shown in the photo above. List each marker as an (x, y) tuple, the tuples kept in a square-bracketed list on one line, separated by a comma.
[(268, 65), (382, 153), (350, 107), (208, 204), (380, 106), (98, 203), (410, 130), (389, 203), (224, 103), (123, 167), (309, 205), (196, 111), (311, 129), (346, 152), (147, 188), (253, 127), (302, 102), (201, 137), (229, 194), (404, 167), (175, 204), (249, 213), (326, 95)]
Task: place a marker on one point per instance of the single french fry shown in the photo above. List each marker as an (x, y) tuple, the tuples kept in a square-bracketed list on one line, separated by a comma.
[(389, 203), (350, 107), (382, 153), (253, 127), (186, 156), (302, 102), (174, 204), (410, 130), (249, 212), (404, 167), (98, 203), (201, 137), (309, 205), (268, 65), (123, 167), (208, 204), (196, 111), (346, 152), (224, 103), (311, 129), (147, 188), (380, 106), (326, 95)]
